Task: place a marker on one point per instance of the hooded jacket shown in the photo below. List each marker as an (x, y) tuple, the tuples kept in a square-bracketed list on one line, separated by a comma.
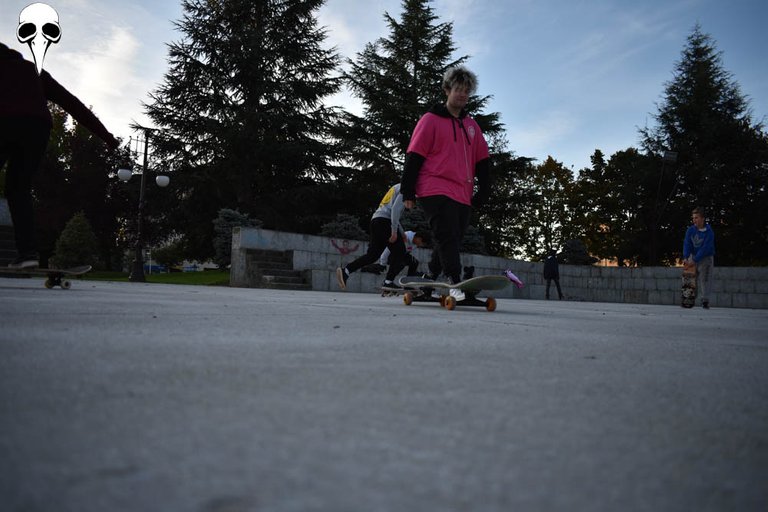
[(699, 242), (24, 93), (444, 157)]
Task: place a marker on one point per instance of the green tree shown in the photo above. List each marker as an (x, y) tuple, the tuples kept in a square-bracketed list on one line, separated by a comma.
[(77, 244), (93, 188), (575, 253), (344, 226), (222, 225), (51, 188), (502, 219), (722, 158), (612, 202), (545, 220), (170, 255), (77, 174), (397, 78), (241, 115)]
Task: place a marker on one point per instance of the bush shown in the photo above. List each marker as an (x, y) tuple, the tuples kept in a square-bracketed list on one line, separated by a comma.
[(575, 253), (77, 244), (344, 226), (222, 240), (170, 255)]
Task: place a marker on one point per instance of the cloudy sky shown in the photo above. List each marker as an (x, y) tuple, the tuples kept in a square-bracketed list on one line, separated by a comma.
[(567, 76)]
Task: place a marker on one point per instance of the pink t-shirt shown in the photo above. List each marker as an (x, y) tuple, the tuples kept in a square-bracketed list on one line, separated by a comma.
[(449, 165)]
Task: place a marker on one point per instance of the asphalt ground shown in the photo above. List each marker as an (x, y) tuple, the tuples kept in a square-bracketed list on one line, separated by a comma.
[(139, 397)]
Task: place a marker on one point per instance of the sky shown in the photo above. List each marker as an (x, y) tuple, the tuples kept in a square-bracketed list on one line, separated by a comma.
[(567, 76)]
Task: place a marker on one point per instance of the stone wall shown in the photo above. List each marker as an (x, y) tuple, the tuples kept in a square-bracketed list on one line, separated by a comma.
[(319, 257)]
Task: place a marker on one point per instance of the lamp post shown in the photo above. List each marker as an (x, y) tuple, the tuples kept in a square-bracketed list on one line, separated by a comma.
[(137, 271)]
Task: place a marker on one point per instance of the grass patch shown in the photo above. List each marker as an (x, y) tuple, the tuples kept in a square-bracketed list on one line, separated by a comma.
[(206, 278)]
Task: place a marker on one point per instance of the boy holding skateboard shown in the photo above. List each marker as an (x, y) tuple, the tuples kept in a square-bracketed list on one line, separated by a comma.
[(699, 251), (446, 153)]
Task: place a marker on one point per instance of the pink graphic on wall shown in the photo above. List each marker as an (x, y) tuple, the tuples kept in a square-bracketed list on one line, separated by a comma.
[(345, 248)]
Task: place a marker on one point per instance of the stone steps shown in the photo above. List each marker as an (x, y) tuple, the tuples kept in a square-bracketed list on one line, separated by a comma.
[(274, 270)]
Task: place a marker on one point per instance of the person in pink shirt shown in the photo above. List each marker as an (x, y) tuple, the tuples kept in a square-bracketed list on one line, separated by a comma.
[(447, 154)]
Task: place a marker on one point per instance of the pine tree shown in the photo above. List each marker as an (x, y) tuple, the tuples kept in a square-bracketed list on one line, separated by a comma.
[(722, 161), (240, 112), (77, 244)]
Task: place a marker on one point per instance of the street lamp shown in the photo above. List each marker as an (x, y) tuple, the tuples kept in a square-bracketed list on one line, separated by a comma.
[(137, 272)]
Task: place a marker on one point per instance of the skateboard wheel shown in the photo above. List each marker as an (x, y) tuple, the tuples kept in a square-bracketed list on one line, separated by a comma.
[(490, 304), (49, 283), (450, 303), (66, 285), (408, 298), (442, 301)]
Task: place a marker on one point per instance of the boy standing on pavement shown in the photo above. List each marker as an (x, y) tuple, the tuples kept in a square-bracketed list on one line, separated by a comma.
[(446, 153), (552, 273), (699, 250), (386, 232)]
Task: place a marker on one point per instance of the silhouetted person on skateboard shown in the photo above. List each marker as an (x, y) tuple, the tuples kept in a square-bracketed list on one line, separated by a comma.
[(25, 125)]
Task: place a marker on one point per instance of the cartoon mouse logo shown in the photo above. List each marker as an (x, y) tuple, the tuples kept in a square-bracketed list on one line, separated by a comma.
[(39, 28)]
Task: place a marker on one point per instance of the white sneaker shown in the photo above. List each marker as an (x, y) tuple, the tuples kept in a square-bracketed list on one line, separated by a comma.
[(457, 294)]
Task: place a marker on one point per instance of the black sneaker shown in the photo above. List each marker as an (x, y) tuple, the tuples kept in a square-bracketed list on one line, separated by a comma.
[(29, 260), (342, 274), (391, 285), (705, 305)]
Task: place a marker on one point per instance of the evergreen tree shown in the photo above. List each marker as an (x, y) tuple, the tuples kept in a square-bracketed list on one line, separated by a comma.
[(240, 113), (223, 225), (545, 219), (94, 189), (344, 226), (610, 202), (77, 244), (722, 158), (502, 218)]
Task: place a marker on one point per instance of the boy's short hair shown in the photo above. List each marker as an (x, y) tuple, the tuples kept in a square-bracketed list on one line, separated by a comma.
[(460, 75), (699, 210)]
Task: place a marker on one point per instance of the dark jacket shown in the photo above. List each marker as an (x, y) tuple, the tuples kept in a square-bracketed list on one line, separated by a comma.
[(551, 268), (24, 93)]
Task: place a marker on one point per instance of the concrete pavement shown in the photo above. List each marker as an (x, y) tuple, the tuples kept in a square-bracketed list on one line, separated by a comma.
[(125, 396)]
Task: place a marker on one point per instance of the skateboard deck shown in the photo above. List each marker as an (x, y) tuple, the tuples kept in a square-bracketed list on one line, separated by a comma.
[(470, 287), (688, 299), (54, 276)]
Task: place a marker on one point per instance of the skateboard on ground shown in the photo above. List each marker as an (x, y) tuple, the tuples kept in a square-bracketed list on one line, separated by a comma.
[(688, 299), (417, 293), (470, 287), (54, 276)]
